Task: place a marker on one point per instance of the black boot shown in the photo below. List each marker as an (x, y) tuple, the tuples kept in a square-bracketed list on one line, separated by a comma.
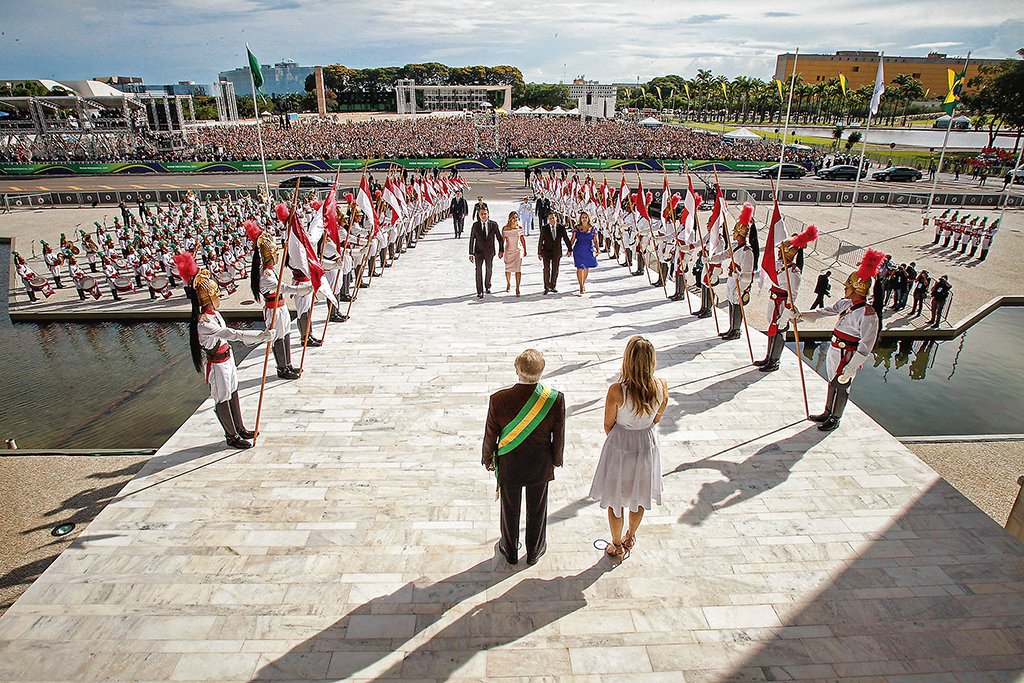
[(829, 401), (705, 302), (842, 395), (223, 411), (81, 295), (775, 345), (288, 355), (236, 417), (735, 318), (639, 264), (338, 317), (282, 358)]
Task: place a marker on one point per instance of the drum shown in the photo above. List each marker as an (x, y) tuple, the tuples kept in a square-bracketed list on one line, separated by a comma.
[(89, 284), (123, 284), (37, 282), (160, 284), (121, 264), (226, 280)]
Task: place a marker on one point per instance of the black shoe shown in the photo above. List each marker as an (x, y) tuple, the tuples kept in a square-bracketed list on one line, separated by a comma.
[(479, 295), (730, 336), (829, 425), (345, 297), (288, 373), (703, 314), (314, 342), (545, 291), (554, 290), (770, 367), (820, 418), (676, 297), (533, 560), (364, 285), (338, 318), (639, 272), (236, 441), (488, 291), (508, 556), (659, 283), (246, 434), (759, 363)]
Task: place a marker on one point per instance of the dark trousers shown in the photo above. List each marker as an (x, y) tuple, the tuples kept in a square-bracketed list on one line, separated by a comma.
[(460, 224), (536, 517), (918, 307), (551, 270), (938, 306), (819, 301), (483, 279)]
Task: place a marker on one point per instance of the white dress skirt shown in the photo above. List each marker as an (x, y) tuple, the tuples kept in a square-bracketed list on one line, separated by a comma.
[(628, 473)]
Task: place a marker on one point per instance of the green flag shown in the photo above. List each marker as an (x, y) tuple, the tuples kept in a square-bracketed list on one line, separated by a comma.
[(956, 86), (254, 67)]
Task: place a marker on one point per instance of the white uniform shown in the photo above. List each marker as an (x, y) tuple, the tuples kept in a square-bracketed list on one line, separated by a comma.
[(222, 376), (853, 337), (778, 298), (281, 321)]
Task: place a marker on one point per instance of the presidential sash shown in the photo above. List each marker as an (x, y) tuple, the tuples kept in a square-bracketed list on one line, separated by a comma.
[(531, 415)]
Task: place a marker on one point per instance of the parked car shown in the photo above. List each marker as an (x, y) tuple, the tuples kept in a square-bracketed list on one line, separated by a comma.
[(1018, 175), (788, 171), (840, 172), (897, 174), (305, 181)]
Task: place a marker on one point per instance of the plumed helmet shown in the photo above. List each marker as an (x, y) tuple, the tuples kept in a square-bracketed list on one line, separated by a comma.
[(860, 281), (789, 249)]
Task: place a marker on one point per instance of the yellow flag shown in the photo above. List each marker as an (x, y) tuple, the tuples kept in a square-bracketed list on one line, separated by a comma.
[(842, 83), (778, 84), (686, 86), (724, 93), (658, 89)]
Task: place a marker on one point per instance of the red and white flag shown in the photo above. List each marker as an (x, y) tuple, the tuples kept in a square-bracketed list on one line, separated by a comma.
[(364, 200), (716, 226), (641, 201), (302, 257), (330, 210), (776, 235), (623, 193), (391, 200)]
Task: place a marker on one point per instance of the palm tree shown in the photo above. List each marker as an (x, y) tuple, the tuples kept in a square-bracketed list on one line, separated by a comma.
[(908, 89)]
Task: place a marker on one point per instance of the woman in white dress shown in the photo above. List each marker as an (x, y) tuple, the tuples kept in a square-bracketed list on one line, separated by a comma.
[(629, 471)]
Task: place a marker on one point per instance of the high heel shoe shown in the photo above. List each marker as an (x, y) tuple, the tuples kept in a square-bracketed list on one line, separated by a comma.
[(628, 541), (614, 550)]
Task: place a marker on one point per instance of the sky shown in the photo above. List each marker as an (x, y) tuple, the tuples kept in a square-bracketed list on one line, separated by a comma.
[(166, 41)]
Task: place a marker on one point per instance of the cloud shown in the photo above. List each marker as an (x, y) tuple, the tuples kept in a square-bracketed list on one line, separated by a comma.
[(930, 46), (781, 14), (705, 18)]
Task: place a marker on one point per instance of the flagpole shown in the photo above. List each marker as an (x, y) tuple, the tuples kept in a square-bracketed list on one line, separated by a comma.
[(863, 149), (259, 130), (945, 139), (704, 253), (785, 126)]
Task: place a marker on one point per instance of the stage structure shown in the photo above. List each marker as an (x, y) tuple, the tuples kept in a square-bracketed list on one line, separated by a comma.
[(447, 97), (88, 120), (593, 99)]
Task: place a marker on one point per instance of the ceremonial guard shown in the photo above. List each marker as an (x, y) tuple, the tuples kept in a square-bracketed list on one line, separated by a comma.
[(853, 337), (53, 262), (208, 337), (986, 239), (304, 308), (742, 256), (780, 307), (265, 285)]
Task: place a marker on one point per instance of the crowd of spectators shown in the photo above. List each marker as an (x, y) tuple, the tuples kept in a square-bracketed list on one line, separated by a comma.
[(447, 137)]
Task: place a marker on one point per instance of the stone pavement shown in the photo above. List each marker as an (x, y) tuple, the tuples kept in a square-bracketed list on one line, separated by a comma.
[(357, 541)]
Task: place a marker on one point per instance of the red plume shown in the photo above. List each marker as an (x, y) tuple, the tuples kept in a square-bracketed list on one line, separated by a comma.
[(698, 199), (186, 263), (747, 214), (870, 264), (378, 194), (282, 212), (806, 237), (317, 204), (252, 231), (349, 199)]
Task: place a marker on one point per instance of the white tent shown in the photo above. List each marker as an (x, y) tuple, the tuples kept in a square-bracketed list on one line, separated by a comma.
[(650, 122), (575, 111), (741, 134), (542, 111), (557, 110), (523, 110)]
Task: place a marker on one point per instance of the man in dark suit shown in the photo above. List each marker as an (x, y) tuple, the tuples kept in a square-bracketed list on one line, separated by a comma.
[(459, 209), (549, 249), (480, 204), (484, 240), (525, 450), (822, 288)]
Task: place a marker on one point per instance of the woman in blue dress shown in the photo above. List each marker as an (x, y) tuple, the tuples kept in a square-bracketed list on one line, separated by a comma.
[(584, 250)]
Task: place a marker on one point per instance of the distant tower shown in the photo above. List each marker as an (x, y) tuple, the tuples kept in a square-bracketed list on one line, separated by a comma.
[(321, 95), (227, 105)]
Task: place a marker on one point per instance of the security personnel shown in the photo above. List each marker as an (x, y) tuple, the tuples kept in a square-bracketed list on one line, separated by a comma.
[(853, 338), (208, 338), (781, 296)]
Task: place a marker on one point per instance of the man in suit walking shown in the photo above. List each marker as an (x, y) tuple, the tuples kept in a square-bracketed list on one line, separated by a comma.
[(549, 249), (822, 288), (484, 240), (459, 209), (523, 444), (480, 204)]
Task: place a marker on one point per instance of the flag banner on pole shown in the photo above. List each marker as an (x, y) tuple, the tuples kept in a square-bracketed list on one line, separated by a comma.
[(956, 86), (716, 226), (257, 73), (330, 212), (641, 201), (876, 95), (776, 234), (843, 83), (391, 199), (778, 84), (315, 227), (364, 200), (302, 257), (724, 93), (686, 87)]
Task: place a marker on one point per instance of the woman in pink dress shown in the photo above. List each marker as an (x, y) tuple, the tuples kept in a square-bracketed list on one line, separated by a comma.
[(515, 247)]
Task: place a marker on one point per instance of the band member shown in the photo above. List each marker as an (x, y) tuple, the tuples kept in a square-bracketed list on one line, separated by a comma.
[(78, 277), (853, 337), (742, 257), (53, 262), (264, 283), (30, 279), (780, 308), (208, 338), (986, 239), (92, 251)]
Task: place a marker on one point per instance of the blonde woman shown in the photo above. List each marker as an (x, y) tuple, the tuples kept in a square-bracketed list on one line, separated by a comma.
[(515, 247), (628, 473), (584, 251)]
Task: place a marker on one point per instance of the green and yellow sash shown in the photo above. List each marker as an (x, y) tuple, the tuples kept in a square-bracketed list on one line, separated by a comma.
[(532, 414)]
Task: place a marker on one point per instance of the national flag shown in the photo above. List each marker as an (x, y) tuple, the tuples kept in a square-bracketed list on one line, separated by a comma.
[(666, 206), (956, 86), (776, 234), (315, 227), (689, 205), (302, 257), (254, 69), (876, 95), (391, 200), (843, 83), (623, 193), (364, 200)]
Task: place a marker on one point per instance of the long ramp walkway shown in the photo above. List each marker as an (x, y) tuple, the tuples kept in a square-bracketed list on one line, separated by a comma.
[(357, 541)]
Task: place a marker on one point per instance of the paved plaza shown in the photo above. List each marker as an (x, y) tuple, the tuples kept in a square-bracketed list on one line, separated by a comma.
[(357, 540)]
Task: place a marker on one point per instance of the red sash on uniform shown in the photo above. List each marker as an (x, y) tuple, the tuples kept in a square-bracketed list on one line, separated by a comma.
[(778, 297), (273, 301), (847, 345), (221, 354)]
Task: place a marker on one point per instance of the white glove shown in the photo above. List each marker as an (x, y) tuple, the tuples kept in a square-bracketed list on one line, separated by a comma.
[(264, 336)]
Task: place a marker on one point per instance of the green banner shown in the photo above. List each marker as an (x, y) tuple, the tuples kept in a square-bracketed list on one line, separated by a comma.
[(325, 166)]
